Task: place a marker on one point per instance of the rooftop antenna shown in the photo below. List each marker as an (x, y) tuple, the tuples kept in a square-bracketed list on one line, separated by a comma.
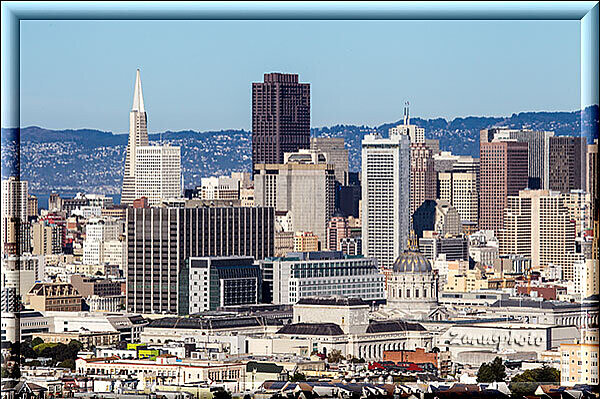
[(406, 114)]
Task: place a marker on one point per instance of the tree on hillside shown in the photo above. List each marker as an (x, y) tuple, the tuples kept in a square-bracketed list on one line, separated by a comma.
[(492, 372), (527, 382)]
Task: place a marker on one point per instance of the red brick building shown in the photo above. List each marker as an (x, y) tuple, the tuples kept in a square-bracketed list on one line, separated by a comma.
[(422, 176), (441, 360), (141, 202)]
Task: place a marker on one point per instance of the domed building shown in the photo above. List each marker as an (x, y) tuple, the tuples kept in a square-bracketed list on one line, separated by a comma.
[(412, 285)]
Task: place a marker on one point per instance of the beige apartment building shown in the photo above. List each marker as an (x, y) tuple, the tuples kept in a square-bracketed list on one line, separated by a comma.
[(460, 190), (46, 239), (305, 241), (538, 224), (468, 281), (579, 364)]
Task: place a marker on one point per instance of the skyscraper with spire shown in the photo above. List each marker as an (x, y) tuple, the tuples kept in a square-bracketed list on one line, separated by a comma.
[(138, 136)]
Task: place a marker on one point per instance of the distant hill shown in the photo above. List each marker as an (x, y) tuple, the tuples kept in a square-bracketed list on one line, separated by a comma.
[(92, 160)]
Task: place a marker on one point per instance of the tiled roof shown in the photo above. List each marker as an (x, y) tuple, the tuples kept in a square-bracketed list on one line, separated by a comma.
[(311, 329), (380, 326)]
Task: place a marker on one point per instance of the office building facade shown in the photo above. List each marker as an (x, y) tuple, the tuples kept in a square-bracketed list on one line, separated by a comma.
[(453, 248), (304, 186), (14, 215), (385, 184), (592, 172), (351, 246), (209, 283), (337, 230), (318, 274), (159, 240), (422, 175), (158, 173), (97, 232), (461, 190), (280, 117), (567, 163), (538, 225), (337, 155), (14, 198), (503, 172), (538, 146)]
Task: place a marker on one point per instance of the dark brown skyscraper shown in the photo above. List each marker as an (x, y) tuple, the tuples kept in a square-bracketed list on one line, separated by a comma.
[(422, 175), (567, 159), (503, 172), (280, 117)]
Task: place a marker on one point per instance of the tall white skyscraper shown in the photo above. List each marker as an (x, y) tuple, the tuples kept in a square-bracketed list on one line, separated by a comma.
[(138, 136), (385, 197), (157, 173)]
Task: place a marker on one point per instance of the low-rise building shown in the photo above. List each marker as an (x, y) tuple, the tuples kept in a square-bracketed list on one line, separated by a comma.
[(22, 325), (88, 286), (89, 339), (476, 299), (54, 297), (217, 332), (310, 274), (493, 339), (441, 360), (166, 369), (129, 326), (471, 280), (325, 324), (284, 242), (579, 363), (216, 282), (306, 241), (109, 303), (538, 311)]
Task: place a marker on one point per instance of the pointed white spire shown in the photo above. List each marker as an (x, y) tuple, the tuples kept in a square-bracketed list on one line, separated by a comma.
[(138, 98)]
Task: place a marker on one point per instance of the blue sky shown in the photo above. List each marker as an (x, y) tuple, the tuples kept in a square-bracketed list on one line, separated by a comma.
[(198, 74)]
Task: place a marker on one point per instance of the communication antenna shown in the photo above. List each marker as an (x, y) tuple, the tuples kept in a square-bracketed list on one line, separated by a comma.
[(406, 113)]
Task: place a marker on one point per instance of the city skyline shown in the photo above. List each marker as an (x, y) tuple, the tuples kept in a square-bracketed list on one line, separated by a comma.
[(281, 230), (205, 92)]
